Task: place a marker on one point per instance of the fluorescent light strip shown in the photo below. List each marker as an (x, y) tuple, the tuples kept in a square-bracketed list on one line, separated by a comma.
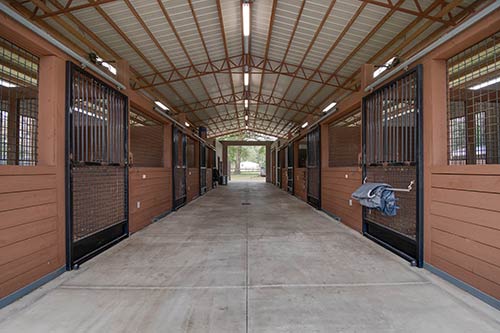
[(246, 19), (485, 84), (246, 103), (330, 106), (304, 125), (246, 79), (161, 105)]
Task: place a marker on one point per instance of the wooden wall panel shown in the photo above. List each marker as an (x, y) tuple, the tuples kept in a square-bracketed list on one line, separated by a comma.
[(146, 145), (152, 188), (193, 183), (209, 178), (337, 187), (29, 226), (464, 225), (300, 183)]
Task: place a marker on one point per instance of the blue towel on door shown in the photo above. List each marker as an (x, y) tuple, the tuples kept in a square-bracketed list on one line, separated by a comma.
[(377, 196)]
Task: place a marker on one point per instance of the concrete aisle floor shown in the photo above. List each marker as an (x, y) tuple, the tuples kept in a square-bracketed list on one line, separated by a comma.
[(275, 265)]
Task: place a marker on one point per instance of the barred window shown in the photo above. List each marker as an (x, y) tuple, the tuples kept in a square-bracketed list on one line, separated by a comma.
[(18, 105), (473, 104), (146, 140), (344, 141)]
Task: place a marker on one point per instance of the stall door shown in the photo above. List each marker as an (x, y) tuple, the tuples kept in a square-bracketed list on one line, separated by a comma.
[(180, 168), (97, 173), (289, 159), (314, 168), (203, 168), (392, 154)]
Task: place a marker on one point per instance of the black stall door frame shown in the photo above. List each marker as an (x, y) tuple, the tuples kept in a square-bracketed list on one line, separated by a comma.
[(390, 156), (96, 149)]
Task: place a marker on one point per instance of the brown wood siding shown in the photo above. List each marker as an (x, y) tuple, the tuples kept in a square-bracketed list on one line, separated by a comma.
[(464, 225), (152, 187), (284, 178), (193, 183), (30, 245), (146, 145), (300, 183), (336, 193), (209, 178)]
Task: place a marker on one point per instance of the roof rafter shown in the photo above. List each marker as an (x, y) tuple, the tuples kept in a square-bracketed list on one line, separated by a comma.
[(68, 8), (226, 65), (234, 99), (405, 39), (419, 12)]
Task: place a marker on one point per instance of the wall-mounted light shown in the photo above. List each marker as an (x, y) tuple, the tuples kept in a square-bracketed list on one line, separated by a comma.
[(246, 19), (330, 106), (186, 124), (388, 64), (161, 105), (304, 125)]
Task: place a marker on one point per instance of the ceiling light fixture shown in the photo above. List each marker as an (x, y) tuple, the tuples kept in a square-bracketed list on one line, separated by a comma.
[(246, 79), (246, 19), (485, 84), (330, 106), (304, 125), (161, 105), (246, 117), (246, 103), (246, 127), (186, 124)]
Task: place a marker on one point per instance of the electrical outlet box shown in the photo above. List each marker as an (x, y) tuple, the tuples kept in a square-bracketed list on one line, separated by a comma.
[(350, 202)]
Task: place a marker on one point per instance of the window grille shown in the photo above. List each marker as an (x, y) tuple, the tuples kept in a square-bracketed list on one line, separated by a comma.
[(302, 152), (18, 105), (473, 104), (344, 141)]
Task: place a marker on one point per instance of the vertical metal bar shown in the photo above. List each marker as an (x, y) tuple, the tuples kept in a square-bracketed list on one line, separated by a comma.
[(71, 108), (403, 120), (400, 110)]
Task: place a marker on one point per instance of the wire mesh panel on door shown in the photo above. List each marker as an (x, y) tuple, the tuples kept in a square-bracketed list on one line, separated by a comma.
[(392, 151), (97, 180)]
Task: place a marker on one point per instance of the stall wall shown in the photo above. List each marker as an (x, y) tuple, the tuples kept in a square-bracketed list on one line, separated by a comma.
[(338, 183), (461, 203), (32, 198), (31, 225)]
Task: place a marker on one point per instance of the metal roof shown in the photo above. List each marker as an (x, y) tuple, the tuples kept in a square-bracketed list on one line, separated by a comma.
[(303, 54)]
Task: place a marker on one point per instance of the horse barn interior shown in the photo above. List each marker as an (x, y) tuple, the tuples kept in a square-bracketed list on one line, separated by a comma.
[(116, 211)]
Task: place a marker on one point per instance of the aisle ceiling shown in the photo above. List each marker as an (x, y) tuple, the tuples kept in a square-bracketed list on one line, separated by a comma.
[(191, 54)]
